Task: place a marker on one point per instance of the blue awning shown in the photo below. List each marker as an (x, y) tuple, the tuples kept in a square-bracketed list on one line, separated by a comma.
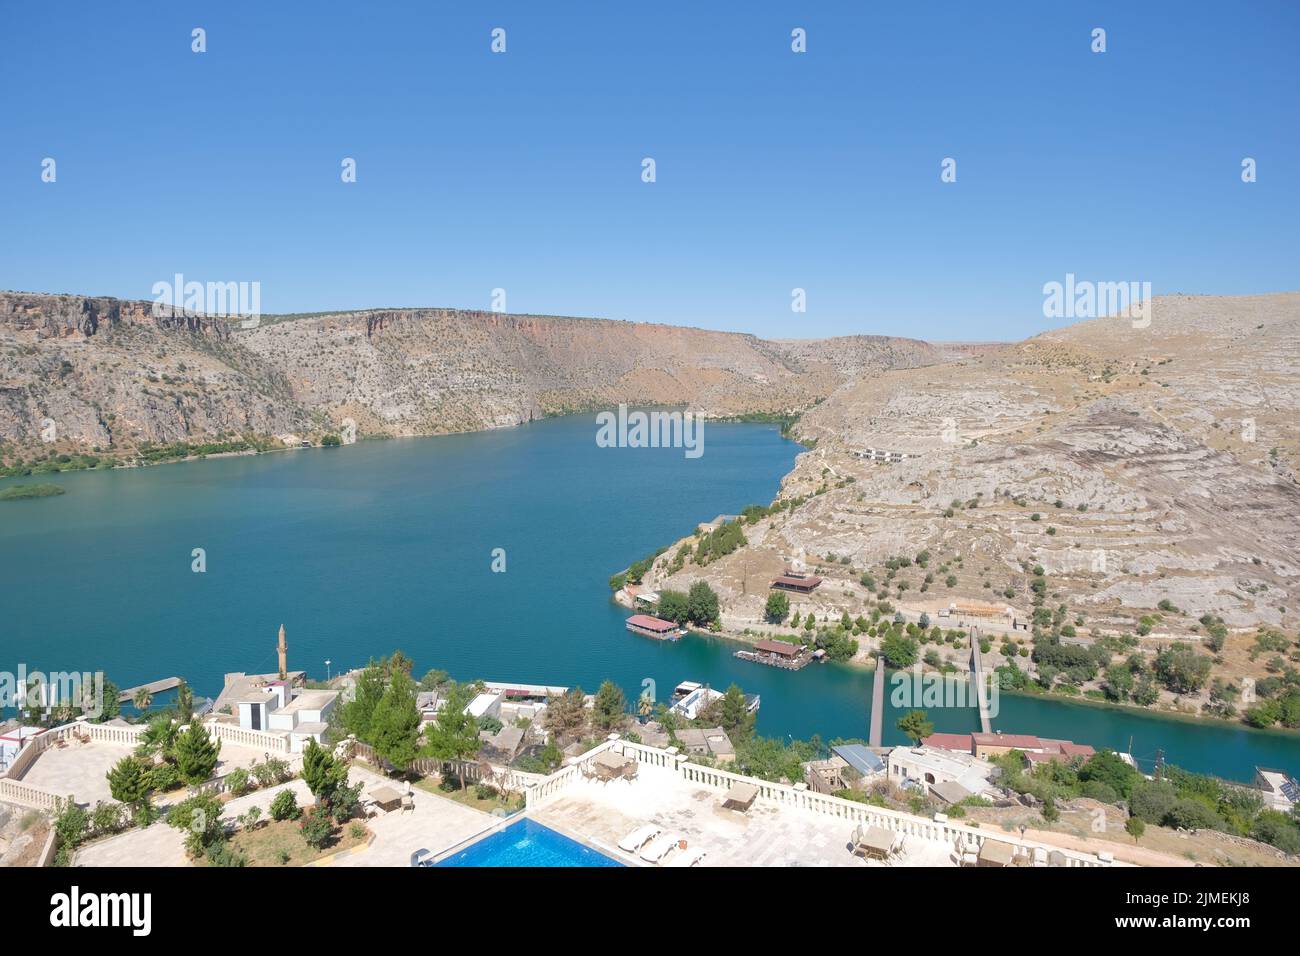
[(862, 759)]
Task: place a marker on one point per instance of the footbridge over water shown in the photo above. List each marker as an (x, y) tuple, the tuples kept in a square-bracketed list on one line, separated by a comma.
[(977, 679)]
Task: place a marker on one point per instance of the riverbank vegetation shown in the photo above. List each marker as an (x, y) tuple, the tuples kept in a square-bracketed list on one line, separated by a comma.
[(1174, 798), (21, 492), (16, 463)]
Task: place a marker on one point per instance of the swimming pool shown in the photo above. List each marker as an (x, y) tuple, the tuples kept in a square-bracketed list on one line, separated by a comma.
[(528, 843)]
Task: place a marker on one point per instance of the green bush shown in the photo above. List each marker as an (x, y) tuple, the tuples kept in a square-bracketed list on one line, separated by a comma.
[(285, 806)]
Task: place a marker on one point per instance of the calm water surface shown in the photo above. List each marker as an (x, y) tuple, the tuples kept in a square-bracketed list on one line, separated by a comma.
[(388, 544)]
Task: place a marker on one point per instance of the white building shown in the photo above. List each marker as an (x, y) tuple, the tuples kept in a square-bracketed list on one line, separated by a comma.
[(13, 741), (1278, 788), (927, 767), (276, 709), (485, 705)]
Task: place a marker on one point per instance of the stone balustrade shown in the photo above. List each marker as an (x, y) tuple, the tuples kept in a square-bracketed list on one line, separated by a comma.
[(255, 739), (800, 798)]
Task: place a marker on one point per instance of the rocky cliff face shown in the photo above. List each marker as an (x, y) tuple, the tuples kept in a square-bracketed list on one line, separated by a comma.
[(111, 375), (1134, 465)]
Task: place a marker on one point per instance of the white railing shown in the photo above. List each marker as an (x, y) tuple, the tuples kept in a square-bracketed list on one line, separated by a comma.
[(257, 739), (798, 798), (115, 733), (28, 795)]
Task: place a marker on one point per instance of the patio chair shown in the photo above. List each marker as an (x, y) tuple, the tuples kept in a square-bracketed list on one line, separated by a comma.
[(688, 858), (639, 837), (660, 847)]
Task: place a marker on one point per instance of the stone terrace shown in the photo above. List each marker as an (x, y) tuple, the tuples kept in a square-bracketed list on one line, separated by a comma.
[(767, 835)]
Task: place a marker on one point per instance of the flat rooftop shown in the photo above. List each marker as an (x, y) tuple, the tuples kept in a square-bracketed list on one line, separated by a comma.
[(308, 700)]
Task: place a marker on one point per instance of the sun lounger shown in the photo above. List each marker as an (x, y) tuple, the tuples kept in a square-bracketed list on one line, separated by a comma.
[(660, 847), (639, 838), (688, 858)]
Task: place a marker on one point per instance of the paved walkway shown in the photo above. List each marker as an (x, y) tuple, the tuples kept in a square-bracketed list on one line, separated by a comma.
[(436, 823)]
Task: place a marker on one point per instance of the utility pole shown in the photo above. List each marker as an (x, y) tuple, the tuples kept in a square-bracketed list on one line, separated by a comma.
[(1160, 762)]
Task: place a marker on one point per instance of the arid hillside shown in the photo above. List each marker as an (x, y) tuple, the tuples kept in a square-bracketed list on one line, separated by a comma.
[(1150, 473), (108, 375)]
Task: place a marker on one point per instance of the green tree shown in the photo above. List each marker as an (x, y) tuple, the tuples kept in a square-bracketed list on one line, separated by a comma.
[(199, 818), (609, 708), (196, 754), (142, 699), (453, 735), (317, 828), (778, 607), (433, 679), (702, 603), (1181, 669), (916, 724), (1106, 767), (285, 806), (898, 650), (566, 716), (158, 739), (128, 781), (107, 708), (184, 702), (735, 717), (355, 715), (1135, 828), (322, 773), (395, 723), (673, 606), (71, 827)]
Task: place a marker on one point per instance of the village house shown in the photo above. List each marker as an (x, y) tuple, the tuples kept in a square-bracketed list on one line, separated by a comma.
[(1278, 788), (924, 768), (711, 742), (1037, 750)]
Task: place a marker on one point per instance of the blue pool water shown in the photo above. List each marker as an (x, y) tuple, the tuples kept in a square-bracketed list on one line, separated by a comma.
[(528, 843)]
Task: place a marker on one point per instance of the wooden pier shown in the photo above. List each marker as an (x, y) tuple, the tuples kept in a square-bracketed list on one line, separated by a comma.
[(155, 687)]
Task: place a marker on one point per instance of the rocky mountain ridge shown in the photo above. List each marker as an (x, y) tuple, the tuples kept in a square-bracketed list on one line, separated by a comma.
[(111, 375)]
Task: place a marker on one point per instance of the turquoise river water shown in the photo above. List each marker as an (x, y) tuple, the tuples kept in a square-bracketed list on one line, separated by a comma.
[(388, 544)]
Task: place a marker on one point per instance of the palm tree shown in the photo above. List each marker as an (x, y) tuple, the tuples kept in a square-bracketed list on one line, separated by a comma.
[(184, 702), (159, 737), (142, 699)]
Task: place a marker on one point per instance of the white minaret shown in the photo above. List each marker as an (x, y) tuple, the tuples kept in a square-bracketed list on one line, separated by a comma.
[(283, 650)]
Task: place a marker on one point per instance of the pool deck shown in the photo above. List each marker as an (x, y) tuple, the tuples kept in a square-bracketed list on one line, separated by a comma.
[(601, 814)]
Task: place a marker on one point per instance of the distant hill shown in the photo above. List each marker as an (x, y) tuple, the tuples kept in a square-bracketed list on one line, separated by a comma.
[(1133, 465), (110, 375)]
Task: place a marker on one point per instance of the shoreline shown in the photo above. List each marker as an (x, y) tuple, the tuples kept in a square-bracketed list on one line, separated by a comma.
[(870, 665), (779, 420)]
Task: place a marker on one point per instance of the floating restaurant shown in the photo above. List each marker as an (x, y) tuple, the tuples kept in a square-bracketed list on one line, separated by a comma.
[(781, 654), (654, 627)]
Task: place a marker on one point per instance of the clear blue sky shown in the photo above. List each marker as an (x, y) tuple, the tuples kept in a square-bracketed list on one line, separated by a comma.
[(775, 170)]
